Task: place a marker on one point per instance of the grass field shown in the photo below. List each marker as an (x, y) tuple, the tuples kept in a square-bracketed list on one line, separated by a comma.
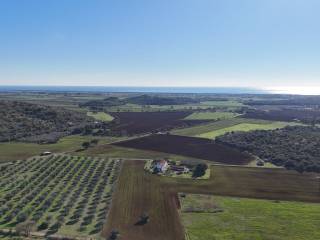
[(18, 150), (100, 116), (230, 105), (70, 194), (210, 115), (222, 104), (243, 218), (211, 130), (246, 127)]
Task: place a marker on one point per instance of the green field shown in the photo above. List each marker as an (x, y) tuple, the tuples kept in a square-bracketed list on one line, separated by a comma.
[(222, 104), (210, 115), (226, 105), (212, 130), (70, 194), (243, 219), (208, 127), (19, 150), (245, 127), (100, 116)]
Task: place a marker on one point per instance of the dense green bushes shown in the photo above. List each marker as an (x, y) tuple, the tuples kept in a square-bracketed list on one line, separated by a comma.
[(38, 123), (295, 148)]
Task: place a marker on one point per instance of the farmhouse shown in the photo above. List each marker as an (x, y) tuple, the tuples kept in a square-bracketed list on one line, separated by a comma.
[(161, 165)]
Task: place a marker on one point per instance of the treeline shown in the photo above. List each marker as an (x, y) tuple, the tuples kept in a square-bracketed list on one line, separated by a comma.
[(308, 116), (140, 100), (156, 100), (290, 100), (296, 148), (99, 104), (37, 123)]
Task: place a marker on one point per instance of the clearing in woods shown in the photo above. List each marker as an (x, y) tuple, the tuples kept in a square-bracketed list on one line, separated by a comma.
[(100, 116), (139, 192)]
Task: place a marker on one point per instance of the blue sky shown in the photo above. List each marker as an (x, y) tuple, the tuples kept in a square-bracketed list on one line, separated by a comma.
[(249, 43)]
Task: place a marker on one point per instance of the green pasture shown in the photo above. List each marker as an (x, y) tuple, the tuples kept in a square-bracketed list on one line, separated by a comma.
[(243, 219), (214, 129), (244, 127), (100, 116), (20, 150), (210, 115)]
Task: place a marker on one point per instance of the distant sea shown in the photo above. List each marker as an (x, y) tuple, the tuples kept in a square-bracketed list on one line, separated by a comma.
[(97, 89)]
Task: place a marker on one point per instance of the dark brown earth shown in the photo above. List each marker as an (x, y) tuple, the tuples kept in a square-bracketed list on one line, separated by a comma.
[(140, 192), (188, 146)]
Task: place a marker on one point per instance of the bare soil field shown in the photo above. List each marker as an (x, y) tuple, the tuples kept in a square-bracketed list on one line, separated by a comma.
[(139, 192), (143, 122), (188, 146), (264, 183)]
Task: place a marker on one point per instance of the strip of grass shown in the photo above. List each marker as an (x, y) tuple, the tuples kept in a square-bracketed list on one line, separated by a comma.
[(212, 130), (210, 115), (229, 103), (245, 127), (197, 130), (100, 116), (244, 218), (19, 150)]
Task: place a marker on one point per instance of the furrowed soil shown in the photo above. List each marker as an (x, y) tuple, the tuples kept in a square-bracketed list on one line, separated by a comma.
[(143, 122), (140, 192), (189, 146)]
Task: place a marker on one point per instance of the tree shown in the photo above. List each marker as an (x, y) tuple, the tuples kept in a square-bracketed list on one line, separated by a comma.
[(21, 217), (85, 145), (200, 170), (144, 219), (43, 226), (95, 141), (114, 235)]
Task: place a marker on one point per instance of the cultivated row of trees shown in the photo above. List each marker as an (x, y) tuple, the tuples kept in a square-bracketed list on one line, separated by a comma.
[(75, 190)]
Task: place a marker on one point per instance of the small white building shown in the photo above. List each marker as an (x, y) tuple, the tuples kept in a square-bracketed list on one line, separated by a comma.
[(161, 165), (46, 153)]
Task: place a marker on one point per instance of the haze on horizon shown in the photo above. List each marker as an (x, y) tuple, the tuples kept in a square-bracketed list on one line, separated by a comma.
[(269, 44)]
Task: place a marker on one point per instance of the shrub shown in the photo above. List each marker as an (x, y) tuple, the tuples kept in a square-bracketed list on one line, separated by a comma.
[(200, 170), (43, 226)]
